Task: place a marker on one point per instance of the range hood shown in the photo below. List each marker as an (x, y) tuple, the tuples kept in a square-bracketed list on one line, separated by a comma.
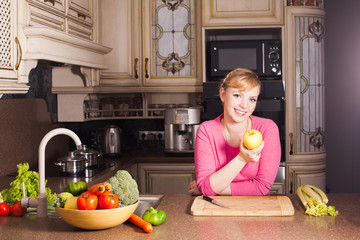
[(49, 44), (43, 43)]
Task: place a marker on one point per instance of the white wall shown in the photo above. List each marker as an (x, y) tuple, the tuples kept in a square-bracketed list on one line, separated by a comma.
[(342, 43)]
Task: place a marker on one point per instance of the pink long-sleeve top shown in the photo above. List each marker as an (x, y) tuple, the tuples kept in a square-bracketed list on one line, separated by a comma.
[(212, 152)]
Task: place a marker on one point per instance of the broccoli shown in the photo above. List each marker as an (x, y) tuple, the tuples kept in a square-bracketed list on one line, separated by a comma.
[(125, 187)]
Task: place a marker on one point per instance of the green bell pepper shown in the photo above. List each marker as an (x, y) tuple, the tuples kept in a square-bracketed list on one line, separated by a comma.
[(154, 216), (76, 188)]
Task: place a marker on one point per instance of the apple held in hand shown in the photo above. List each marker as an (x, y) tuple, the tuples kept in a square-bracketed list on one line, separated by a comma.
[(252, 139)]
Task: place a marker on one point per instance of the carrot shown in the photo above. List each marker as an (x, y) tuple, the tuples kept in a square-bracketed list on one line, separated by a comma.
[(138, 221), (99, 188)]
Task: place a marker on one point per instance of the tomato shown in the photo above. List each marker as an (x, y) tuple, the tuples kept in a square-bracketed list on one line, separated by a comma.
[(108, 200), (87, 201), (17, 210), (4, 209)]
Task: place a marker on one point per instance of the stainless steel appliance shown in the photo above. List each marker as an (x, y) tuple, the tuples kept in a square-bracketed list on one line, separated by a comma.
[(112, 141), (181, 125), (91, 155)]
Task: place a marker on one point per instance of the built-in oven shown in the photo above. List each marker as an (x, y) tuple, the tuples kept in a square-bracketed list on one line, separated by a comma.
[(271, 104)]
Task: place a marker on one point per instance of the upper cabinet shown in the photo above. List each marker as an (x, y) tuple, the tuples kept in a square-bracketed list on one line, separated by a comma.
[(71, 16), (11, 51), (242, 12), (63, 31), (154, 43)]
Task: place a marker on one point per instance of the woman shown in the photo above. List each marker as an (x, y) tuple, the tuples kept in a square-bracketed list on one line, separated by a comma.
[(223, 165)]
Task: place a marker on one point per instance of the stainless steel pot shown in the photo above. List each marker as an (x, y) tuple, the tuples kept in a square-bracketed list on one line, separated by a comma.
[(71, 164), (91, 155)]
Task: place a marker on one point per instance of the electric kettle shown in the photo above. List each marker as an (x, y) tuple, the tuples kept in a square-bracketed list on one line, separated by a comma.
[(112, 141)]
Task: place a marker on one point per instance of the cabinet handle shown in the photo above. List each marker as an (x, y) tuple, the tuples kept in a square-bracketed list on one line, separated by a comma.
[(52, 1), (82, 15), (146, 68), (136, 68), (291, 176), (19, 53), (291, 135)]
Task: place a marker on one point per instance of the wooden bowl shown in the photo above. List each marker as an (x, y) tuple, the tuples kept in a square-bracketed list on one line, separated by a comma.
[(97, 219)]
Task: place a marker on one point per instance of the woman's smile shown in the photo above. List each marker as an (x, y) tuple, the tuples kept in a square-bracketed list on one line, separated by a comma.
[(238, 105)]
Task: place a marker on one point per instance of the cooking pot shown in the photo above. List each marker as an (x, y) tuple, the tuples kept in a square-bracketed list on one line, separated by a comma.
[(71, 164), (91, 155), (112, 141)]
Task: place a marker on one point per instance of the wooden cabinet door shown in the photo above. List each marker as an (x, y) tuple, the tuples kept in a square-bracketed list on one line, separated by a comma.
[(165, 178), (10, 45), (306, 173), (242, 12), (120, 30)]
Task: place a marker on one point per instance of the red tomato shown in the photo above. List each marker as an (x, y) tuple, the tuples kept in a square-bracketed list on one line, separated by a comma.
[(87, 201), (108, 200), (4, 209), (17, 210)]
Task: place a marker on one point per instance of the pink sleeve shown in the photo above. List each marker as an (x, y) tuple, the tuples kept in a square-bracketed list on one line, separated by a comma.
[(268, 165), (204, 161)]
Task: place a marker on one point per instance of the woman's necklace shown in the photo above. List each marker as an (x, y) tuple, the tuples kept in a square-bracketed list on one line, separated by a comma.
[(227, 133)]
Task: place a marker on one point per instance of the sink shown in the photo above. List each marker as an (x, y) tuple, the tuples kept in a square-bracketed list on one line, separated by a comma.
[(146, 202)]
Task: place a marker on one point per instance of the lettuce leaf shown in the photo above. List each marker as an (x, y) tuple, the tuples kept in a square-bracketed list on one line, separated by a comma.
[(31, 180)]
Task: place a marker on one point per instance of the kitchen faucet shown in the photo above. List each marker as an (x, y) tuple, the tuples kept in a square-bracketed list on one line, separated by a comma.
[(40, 202)]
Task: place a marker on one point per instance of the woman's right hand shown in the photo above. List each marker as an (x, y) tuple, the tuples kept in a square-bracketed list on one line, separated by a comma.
[(252, 155)]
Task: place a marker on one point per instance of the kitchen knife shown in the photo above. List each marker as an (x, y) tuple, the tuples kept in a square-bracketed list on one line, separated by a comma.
[(213, 201)]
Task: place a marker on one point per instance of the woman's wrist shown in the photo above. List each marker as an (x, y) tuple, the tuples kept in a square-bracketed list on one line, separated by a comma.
[(240, 159)]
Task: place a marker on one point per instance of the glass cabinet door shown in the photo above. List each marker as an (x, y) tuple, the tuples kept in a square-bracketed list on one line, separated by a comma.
[(310, 85), (170, 42)]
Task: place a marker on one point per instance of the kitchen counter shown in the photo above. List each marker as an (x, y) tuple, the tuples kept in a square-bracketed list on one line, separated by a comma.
[(181, 225)]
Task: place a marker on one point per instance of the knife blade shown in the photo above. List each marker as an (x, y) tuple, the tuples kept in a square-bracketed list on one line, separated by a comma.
[(213, 201)]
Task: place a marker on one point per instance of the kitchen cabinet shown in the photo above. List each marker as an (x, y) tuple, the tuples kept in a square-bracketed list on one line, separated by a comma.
[(242, 12), (154, 43), (277, 189), (159, 178), (301, 173), (71, 16), (11, 52), (305, 100), (54, 30)]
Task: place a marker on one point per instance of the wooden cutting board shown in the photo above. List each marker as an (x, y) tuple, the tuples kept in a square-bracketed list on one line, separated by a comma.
[(243, 206)]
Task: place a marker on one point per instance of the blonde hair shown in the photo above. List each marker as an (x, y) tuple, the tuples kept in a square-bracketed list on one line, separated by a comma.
[(242, 79)]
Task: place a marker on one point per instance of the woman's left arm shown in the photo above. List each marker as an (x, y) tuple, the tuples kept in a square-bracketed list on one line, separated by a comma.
[(268, 165)]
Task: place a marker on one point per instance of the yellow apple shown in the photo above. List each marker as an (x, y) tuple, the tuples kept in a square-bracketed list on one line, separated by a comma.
[(252, 139)]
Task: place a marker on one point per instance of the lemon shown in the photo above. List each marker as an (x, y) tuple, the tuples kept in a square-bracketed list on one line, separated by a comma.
[(71, 203)]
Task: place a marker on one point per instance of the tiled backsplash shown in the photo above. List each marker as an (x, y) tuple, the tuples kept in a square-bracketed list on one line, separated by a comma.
[(130, 130)]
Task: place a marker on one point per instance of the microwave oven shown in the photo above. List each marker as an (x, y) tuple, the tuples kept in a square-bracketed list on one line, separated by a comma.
[(261, 56)]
